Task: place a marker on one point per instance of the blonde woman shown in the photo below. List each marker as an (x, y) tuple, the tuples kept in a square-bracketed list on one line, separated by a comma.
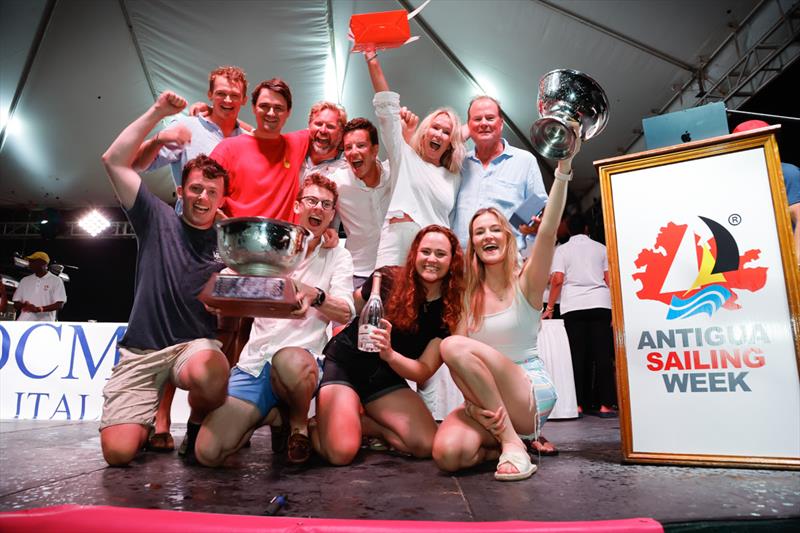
[(425, 170), (494, 358)]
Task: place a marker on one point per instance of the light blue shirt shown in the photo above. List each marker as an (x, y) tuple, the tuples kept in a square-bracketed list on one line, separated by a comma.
[(205, 137), (508, 180)]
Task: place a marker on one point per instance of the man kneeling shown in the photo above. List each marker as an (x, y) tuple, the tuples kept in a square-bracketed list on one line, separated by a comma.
[(278, 371), (170, 335)]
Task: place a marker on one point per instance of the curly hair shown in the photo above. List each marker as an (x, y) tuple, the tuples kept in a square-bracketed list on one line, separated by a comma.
[(453, 157), (408, 294), (476, 273), (234, 75), (209, 167), (321, 181)]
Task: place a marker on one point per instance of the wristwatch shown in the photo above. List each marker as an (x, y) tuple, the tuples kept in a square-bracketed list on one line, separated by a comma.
[(320, 299)]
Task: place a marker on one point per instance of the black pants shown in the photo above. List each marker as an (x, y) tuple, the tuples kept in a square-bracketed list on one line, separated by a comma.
[(591, 343)]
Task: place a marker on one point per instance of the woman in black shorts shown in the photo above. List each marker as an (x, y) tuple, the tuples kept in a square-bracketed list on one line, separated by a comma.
[(423, 303)]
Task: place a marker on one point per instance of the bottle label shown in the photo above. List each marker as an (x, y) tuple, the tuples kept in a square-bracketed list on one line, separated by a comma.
[(365, 341)]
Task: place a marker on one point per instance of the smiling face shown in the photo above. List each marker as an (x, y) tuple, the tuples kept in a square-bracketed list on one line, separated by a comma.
[(325, 130), (201, 198), (432, 262), (226, 99), (271, 111), (360, 153), (436, 140), (485, 122), (311, 209), (489, 240)]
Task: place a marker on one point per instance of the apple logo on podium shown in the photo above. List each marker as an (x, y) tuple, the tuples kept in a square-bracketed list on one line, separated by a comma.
[(686, 137)]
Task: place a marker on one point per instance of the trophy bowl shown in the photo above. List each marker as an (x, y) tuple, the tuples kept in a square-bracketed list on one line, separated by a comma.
[(567, 96), (261, 246)]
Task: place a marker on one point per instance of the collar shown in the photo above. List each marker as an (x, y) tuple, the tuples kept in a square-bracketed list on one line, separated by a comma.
[(210, 124), (505, 154)]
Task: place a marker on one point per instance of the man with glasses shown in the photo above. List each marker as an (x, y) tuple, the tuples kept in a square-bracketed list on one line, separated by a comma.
[(278, 371)]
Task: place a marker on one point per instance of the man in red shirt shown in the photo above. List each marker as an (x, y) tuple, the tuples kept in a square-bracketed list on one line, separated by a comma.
[(264, 166)]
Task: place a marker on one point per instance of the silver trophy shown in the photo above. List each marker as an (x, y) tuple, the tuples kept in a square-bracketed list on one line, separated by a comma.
[(567, 96), (263, 252)]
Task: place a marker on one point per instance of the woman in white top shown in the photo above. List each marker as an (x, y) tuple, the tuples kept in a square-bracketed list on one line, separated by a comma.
[(494, 358), (426, 170)]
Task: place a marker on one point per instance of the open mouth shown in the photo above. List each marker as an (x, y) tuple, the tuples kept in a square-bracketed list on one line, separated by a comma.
[(315, 221), (435, 145), (491, 247), (199, 209), (357, 164)]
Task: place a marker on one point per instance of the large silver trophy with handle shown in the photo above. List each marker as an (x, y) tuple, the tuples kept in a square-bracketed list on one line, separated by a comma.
[(567, 96), (263, 252)]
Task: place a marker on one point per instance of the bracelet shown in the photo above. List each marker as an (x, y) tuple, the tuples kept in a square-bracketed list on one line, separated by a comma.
[(548, 308), (155, 139), (374, 57), (563, 177)]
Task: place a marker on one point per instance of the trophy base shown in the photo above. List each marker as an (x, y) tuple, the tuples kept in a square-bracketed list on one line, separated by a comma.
[(256, 296)]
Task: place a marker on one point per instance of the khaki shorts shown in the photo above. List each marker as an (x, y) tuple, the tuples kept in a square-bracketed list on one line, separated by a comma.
[(137, 381)]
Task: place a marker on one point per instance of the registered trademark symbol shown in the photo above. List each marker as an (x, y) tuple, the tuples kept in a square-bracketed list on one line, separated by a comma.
[(734, 219)]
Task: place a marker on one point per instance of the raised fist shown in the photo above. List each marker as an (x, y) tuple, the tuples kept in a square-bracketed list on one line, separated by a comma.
[(170, 103)]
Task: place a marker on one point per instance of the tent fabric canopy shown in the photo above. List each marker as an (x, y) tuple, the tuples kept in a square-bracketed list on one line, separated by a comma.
[(99, 64)]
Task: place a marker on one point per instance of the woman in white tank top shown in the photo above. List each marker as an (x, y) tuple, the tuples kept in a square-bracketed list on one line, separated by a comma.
[(494, 359)]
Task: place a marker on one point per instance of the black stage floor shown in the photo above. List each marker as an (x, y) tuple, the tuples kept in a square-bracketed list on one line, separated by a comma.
[(53, 463)]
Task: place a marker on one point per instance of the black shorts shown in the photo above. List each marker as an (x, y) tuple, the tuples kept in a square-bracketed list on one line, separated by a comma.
[(369, 383)]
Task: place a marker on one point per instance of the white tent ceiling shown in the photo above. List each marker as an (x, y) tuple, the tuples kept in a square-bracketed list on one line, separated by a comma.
[(99, 63)]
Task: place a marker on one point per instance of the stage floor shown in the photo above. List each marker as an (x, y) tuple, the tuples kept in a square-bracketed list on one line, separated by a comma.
[(53, 463)]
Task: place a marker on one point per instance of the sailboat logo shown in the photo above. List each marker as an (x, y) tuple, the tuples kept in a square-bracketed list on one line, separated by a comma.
[(697, 271)]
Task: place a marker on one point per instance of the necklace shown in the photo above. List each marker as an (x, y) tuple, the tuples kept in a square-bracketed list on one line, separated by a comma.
[(499, 295)]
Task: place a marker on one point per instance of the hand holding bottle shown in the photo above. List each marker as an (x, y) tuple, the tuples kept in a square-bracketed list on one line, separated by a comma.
[(382, 340)]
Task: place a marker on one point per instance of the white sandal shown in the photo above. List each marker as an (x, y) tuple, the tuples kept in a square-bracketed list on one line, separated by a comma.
[(520, 460)]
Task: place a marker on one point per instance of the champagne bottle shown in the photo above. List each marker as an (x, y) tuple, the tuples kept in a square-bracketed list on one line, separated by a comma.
[(370, 317)]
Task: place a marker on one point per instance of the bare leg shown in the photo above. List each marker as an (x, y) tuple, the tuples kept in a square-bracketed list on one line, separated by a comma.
[(337, 436), (205, 376), (121, 442), (490, 380), (294, 376), (163, 415), (461, 442), (409, 426), (226, 429)]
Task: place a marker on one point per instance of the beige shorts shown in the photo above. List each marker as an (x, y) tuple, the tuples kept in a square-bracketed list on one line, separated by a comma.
[(137, 381)]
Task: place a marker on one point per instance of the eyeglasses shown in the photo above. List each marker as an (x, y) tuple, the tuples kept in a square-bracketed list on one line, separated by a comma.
[(313, 201)]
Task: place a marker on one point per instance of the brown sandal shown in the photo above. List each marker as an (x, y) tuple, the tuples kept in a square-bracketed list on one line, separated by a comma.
[(298, 448), (543, 447)]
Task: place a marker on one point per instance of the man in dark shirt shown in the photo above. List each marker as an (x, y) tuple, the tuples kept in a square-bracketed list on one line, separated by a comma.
[(170, 335)]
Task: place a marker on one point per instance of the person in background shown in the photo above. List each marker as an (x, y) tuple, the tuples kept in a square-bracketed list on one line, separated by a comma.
[(580, 279), (41, 295)]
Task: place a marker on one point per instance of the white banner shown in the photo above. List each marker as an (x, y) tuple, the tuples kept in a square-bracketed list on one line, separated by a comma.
[(57, 370), (708, 338)]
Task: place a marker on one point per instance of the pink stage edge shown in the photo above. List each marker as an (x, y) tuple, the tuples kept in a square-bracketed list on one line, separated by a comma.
[(105, 519)]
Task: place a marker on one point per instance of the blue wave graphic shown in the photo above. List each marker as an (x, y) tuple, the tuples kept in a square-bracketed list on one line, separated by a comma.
[(707, 301)]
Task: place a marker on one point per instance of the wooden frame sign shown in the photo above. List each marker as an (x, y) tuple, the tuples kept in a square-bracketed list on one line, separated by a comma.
[(706, 308)]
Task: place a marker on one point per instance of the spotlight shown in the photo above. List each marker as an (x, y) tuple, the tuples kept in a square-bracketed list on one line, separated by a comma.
[(94, 223)]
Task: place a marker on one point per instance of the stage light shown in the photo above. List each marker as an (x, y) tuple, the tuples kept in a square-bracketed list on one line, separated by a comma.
[(94, 223), (13, 126)]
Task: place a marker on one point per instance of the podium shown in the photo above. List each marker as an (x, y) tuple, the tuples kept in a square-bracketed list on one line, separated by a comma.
[(705, 303)]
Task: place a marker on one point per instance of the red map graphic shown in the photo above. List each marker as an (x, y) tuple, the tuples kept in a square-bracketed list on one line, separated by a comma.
[(658, 261)]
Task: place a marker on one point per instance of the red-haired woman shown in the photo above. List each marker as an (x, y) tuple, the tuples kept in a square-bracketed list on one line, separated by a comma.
[(423, 303), (494, 358)]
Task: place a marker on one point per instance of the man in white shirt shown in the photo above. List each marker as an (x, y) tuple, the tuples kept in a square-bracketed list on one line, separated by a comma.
[(365, 190), (40, 295), (580, 277), (278, 371)]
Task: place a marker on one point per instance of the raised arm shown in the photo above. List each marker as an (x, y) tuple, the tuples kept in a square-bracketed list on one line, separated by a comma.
[(118, 159), (379, 83), (536, 271)]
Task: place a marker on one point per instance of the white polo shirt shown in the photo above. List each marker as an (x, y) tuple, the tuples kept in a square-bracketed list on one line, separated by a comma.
[(362, 210), (40, 292), (330, 269), (584, 263)]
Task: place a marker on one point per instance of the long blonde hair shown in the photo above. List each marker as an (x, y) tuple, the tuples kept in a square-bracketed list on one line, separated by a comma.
[(453, 157), (476, 272)]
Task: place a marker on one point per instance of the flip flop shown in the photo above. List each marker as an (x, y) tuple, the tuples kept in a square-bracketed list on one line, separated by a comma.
[(298, 448), (161, 442), (520, 460), (541, 450)]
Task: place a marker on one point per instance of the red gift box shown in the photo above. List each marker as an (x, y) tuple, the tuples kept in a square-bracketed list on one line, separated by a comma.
[(387, 29)]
